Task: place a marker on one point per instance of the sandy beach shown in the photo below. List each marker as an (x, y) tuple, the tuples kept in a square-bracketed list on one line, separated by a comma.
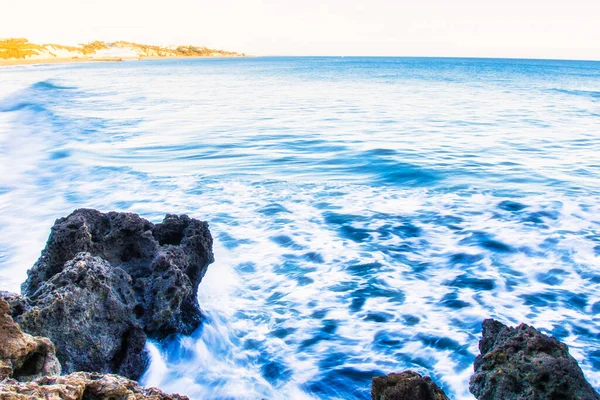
[(15, 62), (12, 62)]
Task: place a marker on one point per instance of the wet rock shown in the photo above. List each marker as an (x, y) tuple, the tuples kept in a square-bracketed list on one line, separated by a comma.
[(23, 356), (407, 385), (80, 386), (522, 363), (106, 282)]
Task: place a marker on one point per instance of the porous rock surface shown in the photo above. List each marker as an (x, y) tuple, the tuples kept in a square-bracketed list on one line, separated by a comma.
[(407, 385), (86, 309), (29, 369), (522, 363), (82, 386), (106, 282), (22, 356)]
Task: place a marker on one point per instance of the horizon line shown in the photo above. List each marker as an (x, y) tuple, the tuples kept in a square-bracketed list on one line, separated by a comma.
[(429, 56)]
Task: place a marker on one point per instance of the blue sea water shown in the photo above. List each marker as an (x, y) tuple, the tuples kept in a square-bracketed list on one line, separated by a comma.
[(368, 213)]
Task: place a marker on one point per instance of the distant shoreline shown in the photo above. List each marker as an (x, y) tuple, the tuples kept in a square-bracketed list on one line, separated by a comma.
[(19, 51), (55, 60), (43, 61)]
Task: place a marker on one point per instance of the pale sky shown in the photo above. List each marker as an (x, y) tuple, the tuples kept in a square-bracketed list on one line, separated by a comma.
[(471, 28)]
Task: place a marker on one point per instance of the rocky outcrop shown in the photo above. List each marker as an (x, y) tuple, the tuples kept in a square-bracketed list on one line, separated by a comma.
[(407, 385), (87, 310), (166, 262), (522, 363), (81, 386), (23, 356), (106, 282), (515, 364), (29, 369)]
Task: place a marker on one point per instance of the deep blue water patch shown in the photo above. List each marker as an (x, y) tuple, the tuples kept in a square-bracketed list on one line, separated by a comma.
[(512, 206), (451, 300), (553, 277), (379, 317), (246, 267), (282, 333), (467, 281), (230, 242), (411, 320), (286, 241), (486, 241), (465, 259), (342, 383), (273, 209)]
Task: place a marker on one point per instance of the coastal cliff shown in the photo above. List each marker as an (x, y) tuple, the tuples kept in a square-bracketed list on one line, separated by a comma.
[(15, 50)]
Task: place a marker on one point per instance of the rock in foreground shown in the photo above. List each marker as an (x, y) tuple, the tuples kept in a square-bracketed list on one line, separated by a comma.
[(87, 310), (407, 385), (105, 282), (80, 386), (29, 369), (522, 363), (23, 356)]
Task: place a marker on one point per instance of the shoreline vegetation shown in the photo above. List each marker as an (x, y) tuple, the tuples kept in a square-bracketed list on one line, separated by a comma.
[(19, 51)]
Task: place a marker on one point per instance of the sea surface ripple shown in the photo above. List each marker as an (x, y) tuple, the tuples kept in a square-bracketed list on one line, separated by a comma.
[(368, 213)]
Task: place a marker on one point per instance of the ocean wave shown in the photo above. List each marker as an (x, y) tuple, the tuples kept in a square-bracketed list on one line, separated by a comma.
[(362, 224), (583, 93)]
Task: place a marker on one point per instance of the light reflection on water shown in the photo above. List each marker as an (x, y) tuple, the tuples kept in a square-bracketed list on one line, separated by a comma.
[(367, 213)]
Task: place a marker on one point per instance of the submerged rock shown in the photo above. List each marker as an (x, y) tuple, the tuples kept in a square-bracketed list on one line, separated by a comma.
[(81, 386), (522, 363), (105, 282), (407, 385), (23, 356)]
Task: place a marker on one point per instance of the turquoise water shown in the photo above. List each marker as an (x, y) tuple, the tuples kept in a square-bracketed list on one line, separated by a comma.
[(368, 213)]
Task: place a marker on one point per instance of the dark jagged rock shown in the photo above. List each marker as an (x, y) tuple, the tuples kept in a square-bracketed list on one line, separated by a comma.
[(17, 304), (522, 363), (23, 356), (169, 258), (29, 368), (105, 282), (407, 385), (87, 311), (82, 386)]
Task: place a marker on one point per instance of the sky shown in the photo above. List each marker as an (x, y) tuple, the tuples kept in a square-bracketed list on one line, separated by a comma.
[(462, 28)]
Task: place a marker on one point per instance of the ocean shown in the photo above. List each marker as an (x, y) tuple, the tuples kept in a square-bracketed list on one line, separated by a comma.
[(368, 213)]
